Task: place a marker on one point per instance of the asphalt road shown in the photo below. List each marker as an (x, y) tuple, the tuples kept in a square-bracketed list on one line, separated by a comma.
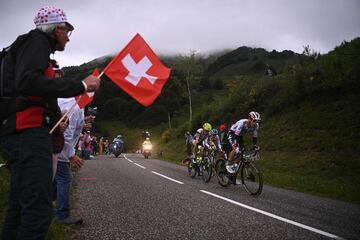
[(130, 197)]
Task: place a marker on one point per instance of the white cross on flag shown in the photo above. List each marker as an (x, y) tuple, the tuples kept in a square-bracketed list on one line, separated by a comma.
[(138, 71)]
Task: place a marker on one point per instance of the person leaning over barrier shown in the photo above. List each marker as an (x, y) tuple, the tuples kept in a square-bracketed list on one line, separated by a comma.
[(26, 127)]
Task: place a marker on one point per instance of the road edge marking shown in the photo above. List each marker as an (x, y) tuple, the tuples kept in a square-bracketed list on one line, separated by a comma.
[(274, 216), (169, 178), (139, 165)]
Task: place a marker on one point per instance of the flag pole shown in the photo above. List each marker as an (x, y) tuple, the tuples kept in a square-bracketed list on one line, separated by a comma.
[(63, 116), (69, 110)]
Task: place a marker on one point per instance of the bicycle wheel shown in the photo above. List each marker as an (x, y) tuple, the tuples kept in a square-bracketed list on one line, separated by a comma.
[(192, 169), (251, 178), (207, 169), (222, 174)]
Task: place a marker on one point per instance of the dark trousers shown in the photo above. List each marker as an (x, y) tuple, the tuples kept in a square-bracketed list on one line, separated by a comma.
[(29, 154)]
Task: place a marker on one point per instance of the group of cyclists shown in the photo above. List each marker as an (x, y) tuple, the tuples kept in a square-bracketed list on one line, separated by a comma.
[(229, 142)]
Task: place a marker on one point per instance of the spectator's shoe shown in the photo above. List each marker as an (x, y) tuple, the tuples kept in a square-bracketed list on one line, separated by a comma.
[(70, 220)]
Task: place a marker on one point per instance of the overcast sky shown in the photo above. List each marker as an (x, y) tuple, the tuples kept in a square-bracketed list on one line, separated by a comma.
[(179, 26)]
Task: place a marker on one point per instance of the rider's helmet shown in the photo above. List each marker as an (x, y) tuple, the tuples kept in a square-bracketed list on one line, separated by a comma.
[(213, 132), (255, 116), (119, 136), (207, 127), (147, 139)]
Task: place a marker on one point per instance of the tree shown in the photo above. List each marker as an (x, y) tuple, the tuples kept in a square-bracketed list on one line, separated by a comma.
[(188, 65), (309, 52)]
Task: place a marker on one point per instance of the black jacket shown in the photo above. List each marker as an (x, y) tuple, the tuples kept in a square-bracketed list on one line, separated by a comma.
[(29, 80)]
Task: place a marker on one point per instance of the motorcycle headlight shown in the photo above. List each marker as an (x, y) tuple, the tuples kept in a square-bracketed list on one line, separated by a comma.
[(147, 147)]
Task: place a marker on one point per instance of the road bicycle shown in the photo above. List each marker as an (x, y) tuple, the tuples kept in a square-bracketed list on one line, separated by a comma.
[(246, 173), (202, 165)]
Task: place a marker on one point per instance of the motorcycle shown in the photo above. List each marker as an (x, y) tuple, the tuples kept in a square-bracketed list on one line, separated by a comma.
[(116, 148), (147, 150)]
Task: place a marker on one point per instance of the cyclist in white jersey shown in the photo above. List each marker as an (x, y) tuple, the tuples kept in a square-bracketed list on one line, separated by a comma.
[(213, 140), (238, 130)]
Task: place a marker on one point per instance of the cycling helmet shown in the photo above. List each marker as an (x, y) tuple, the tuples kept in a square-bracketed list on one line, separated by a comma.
[(214, 132), (207, 127), (254, 116)]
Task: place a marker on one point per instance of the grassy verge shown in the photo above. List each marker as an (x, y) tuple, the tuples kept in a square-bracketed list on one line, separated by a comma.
[(4, 190), (312, 172), (308, 172)]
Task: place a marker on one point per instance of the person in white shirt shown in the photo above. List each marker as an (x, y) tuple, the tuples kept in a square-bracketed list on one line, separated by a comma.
[(68, 158)]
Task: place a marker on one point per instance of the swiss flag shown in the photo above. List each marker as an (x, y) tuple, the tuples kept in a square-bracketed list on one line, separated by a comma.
[(138, 71), (86, 98)]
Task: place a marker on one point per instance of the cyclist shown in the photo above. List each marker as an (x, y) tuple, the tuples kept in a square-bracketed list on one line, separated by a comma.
[(200, 135), (236, 133), (213, 140), (224, 141)]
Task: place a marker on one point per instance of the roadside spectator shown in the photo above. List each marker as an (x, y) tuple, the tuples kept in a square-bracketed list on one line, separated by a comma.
[(58, 134), (101, 145), (26, 130), (86, 146), (106, 146), (94, 145), (66, 159)]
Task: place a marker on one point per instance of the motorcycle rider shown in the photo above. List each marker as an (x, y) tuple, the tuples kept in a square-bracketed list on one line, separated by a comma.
[(118, 139), (147, 147), (117, 145), (146, 142), (236, 133)]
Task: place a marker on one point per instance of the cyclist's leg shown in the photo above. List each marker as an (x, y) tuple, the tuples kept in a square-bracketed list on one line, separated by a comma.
[(232, 141), (240, 142), (193, 149)]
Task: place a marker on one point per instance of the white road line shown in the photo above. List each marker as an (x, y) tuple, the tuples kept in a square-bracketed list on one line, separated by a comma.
[(128, 159), (274, 216), (139, 165), (171, 179)]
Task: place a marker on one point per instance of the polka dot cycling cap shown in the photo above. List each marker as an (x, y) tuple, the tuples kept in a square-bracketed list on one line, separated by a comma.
[(48, 15)]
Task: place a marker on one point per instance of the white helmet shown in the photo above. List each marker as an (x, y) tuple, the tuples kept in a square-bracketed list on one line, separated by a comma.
[(254, 116)]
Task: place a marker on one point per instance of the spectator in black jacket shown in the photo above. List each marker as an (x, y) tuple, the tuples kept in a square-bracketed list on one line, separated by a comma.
[(25, 139)]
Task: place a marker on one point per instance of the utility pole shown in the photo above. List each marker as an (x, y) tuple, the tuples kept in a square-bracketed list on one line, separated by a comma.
[(190, 64), (189, 93)]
